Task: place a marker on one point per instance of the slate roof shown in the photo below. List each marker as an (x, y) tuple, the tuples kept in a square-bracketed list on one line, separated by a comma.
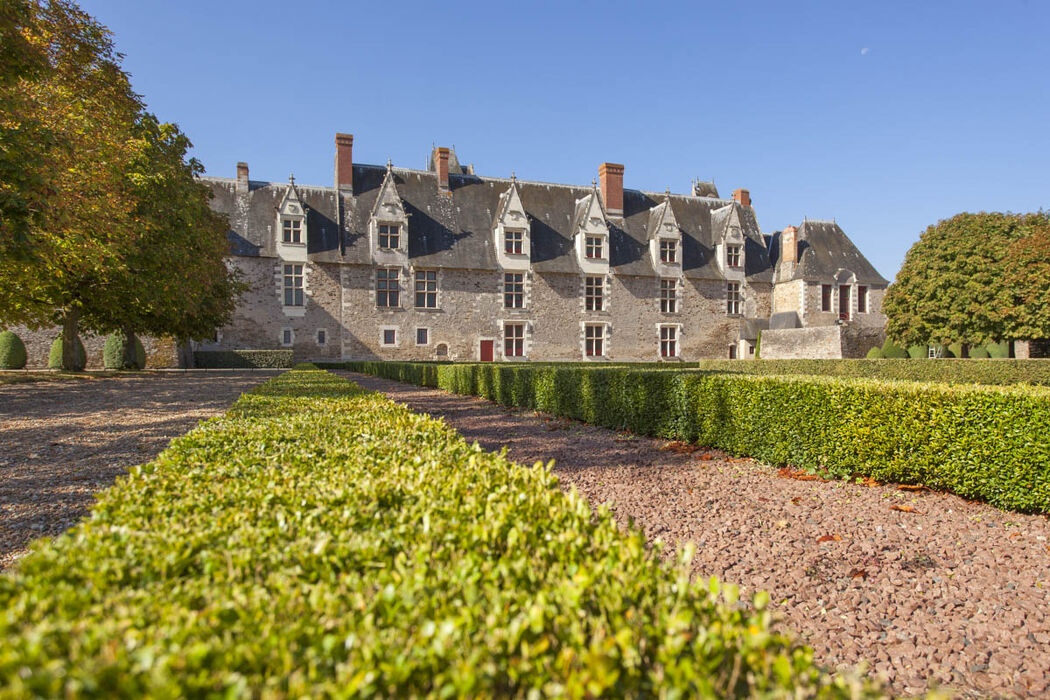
[(751, 327), (824, 248), (454, 229)]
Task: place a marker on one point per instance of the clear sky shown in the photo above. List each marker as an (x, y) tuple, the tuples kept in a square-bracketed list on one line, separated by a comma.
[(886, 116)]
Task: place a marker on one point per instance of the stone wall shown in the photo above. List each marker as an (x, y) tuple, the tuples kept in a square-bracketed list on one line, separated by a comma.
[(816, 343), (160, 352)]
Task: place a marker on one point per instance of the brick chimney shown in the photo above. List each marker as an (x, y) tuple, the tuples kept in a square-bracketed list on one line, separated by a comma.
[(242, 177), (611, 177), (344, 161), (742, 196), (789, 245), (441, 164)]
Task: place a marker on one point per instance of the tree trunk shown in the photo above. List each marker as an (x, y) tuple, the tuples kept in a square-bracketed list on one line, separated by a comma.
[(130, 361), (70, 323)]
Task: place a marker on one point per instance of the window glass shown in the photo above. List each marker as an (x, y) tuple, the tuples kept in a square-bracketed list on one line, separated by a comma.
[(292, 231), (388, 292), (389, 236), (422, 336), (668, 341), (514, 290), (668, 296), (426, 289), (389, 336), (733, 298), (594, 293), (594, 247), (733, 255), (668, 251), (594, 340), (514, 340), (322, 337), (513, 242), (293, 285)]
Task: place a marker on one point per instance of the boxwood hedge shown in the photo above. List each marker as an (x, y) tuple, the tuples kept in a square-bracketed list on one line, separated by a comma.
[(323, 541), (978, 442), (951, 371), (243, 359)]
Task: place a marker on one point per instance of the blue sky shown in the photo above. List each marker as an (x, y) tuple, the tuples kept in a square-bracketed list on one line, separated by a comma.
[(886, 116)]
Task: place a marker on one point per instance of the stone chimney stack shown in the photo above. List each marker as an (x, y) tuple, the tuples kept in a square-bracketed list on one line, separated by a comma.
[(611, 177), (742, 196), (441, 165), (344, 161), (242, 177), (789, 245)]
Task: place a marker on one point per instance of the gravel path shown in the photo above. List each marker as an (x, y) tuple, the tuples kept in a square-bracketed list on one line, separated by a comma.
[(919, 585), (63, 441)]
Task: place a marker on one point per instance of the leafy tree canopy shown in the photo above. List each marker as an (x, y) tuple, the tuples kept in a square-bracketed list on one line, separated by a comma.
[(964, 281)]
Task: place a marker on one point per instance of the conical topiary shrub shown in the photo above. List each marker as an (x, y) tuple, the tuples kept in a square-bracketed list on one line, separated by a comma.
[(892, 351), (874, 354), (54, 359), (114, 353), (12, 351)]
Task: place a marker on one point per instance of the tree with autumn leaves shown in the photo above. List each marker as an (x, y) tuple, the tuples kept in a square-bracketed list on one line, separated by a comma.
[(103, 223), (974, 278)]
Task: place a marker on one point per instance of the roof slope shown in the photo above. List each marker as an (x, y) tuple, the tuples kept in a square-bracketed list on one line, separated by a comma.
[(824, 249)]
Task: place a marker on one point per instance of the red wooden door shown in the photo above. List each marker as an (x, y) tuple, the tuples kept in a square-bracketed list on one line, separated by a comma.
[(487, 350)]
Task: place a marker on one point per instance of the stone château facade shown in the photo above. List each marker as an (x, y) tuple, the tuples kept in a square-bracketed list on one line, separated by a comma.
[(443, 264)]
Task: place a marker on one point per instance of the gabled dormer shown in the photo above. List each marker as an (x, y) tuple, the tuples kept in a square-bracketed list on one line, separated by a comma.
[(665, 239), (291, 225), (727, 234), (591, 233), (511, 231), (388, 224)]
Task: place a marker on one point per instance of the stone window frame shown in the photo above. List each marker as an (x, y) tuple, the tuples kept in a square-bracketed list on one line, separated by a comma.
[(676, 333), (287, 337), (293, 288), (512, 293), (525, 338), (595, 296), (606, 332), (321, 336), (669, 251), (827, 302), (426, 330), (589, 246), (436, 291), (292, 230), (734, 299), (734, 256), (396, 234), (396, 290), (670, 304), (383, 330), (514, 241), (862, 299)]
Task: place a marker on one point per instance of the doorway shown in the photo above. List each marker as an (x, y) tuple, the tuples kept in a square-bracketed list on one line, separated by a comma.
[(487, 350)]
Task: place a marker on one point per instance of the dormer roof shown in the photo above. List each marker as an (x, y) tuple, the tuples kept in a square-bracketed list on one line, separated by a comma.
[(510, 210), (290, 204), (662, 220), (388, 205), (590, 211)]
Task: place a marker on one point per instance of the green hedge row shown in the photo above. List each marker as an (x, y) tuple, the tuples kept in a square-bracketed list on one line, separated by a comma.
[(243, 359), (969, 371), (981, 443), (323, 541)]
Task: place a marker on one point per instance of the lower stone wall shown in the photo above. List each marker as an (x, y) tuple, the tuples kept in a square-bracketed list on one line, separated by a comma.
[(814, 343), (820, 342), (160, 352)]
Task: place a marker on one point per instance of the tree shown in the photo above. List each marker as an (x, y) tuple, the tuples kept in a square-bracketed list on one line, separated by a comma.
[(109, 229), (953, 283), (1028, 279)]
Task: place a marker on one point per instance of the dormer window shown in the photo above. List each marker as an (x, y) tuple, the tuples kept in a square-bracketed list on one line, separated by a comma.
[(389, 236), (513, 241), (292, 231), (733, 255), (595, 248), (668, 251)]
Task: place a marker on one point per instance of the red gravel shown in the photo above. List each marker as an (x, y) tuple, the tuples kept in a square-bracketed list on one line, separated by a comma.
[(63, 441), (924, 587)]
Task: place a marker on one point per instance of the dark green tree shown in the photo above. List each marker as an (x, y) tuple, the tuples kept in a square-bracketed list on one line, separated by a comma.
[(953, 283)]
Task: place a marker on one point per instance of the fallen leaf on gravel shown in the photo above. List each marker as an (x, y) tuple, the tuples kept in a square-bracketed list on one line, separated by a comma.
[(797, 474), (868, 481), (829, 538), (736, 460), (707, 456), (858, 573), (904, 509), (763, 499), (679, 447), (911, 487), (1016, 534), (797, 500)]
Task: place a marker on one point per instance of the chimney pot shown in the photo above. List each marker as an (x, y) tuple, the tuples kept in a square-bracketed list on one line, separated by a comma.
[(742, 196), (611, 177), (442, 168), (344, 161), (242, 177)]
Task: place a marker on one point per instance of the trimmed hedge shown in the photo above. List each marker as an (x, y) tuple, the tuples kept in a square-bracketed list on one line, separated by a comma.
[(113, 352), (981, 443), (323, 541), (12, 351), (949, 371), (54, 357), (243, 359)]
